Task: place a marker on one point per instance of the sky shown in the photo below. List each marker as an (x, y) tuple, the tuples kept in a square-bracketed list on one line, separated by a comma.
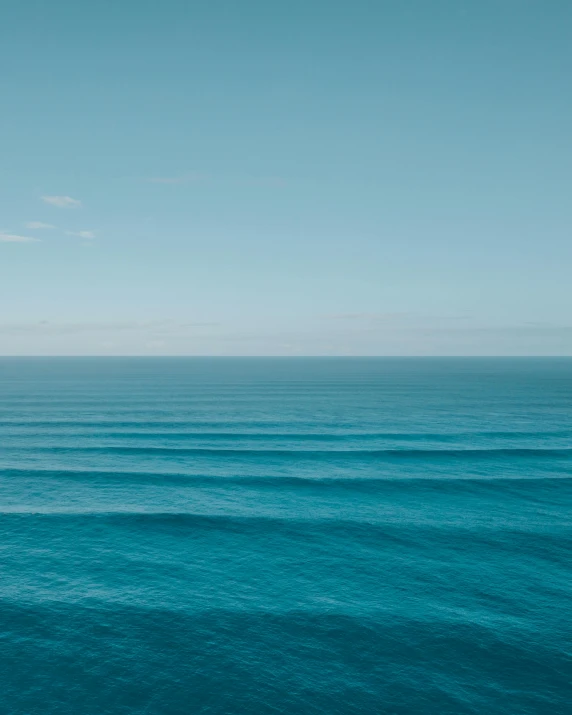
[(262, 177)]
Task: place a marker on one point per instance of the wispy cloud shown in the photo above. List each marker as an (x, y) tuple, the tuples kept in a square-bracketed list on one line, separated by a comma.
[(54, 328), (155, 344), (408, 318), (157, 329), (38, 225), (15, 238), (264, 181), (183, 179), (81, 234), (385, 317), (239, 180), (62, 202)]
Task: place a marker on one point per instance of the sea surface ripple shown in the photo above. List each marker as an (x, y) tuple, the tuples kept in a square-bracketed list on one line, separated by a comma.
[(296, 536)]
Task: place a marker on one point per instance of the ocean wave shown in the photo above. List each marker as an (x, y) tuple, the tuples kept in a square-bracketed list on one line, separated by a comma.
[(392, 482), (556, 536), (254, 430), (349, 454), (153, 660)]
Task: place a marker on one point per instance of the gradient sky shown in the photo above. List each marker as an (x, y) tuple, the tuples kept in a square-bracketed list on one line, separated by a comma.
[(260, 177)]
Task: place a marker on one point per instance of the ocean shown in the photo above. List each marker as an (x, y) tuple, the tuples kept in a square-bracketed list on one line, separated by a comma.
[(285, 536)]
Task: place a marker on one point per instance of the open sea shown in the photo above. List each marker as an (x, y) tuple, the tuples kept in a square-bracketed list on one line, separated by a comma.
[(285, 536)]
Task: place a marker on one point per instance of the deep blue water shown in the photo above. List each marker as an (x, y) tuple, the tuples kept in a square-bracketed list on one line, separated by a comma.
[(285, 536)]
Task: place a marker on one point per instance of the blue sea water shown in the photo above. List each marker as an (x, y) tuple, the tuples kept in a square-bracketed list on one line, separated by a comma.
[(293, 536)]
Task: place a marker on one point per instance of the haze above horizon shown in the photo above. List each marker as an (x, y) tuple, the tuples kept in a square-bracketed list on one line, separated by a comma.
[(302, 178)]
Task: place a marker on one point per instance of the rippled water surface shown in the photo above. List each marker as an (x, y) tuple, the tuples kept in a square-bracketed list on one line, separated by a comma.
[(285, 536)]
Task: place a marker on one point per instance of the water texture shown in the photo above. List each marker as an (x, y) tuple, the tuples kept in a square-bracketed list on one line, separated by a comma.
[(288, 536)]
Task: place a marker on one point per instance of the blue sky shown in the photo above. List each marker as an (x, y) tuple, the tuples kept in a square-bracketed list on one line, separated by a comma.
[(273, 178)]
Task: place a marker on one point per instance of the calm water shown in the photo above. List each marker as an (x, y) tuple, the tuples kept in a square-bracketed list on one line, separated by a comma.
[(285, 536)]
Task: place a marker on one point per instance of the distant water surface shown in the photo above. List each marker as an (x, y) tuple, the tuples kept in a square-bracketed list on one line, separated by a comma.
[(295, 536)]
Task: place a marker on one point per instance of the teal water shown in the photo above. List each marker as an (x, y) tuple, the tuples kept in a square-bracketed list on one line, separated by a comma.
[(182, 536)]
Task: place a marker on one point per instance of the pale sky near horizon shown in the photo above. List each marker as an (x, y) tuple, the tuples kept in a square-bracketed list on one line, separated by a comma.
[(311, 177)]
